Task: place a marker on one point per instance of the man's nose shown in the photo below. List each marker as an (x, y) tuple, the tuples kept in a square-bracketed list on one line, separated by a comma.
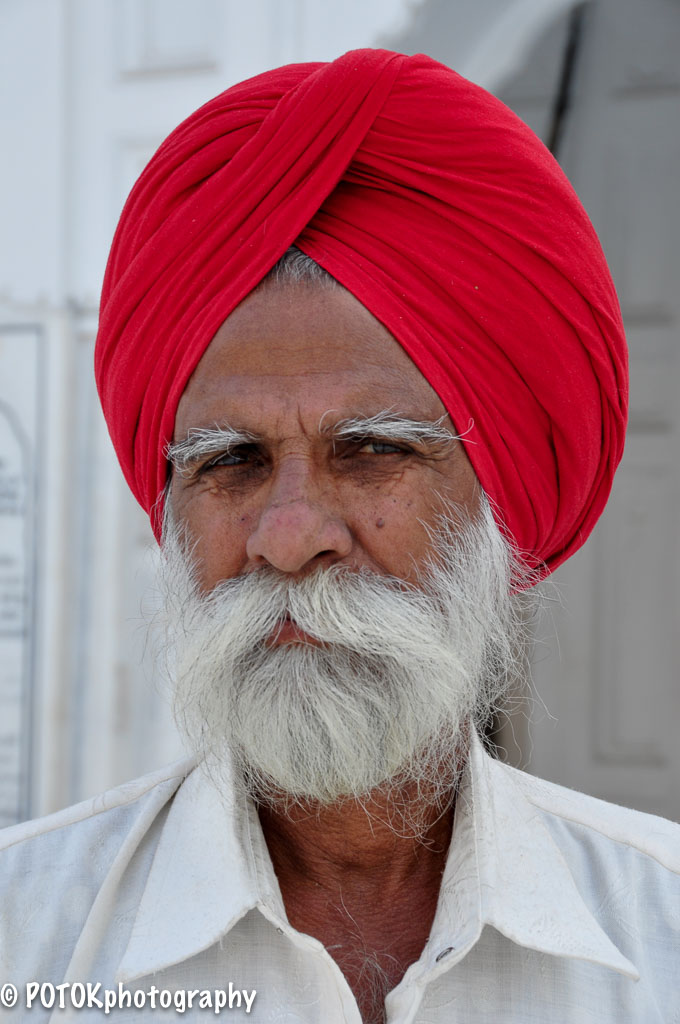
[(297, 529)]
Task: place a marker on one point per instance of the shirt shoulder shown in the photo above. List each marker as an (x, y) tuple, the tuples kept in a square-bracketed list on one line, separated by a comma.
[(655, 837), (154, 788), (55, 870)]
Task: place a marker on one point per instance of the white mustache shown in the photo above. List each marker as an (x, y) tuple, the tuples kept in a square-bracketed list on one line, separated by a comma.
[(397, 674), (359, 611)]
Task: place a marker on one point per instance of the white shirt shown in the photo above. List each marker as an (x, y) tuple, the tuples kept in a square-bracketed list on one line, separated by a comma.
[(554, 908)]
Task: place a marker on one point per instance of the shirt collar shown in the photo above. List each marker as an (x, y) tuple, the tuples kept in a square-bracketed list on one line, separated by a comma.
[(208, 871), (504, 869)]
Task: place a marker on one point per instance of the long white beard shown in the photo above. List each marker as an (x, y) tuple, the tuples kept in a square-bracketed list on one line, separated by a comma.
[(384, 702)]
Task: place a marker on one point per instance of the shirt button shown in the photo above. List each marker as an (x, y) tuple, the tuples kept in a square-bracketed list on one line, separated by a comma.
[(444, 952)]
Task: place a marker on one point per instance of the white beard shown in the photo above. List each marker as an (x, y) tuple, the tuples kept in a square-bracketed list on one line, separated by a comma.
[(385, 701)]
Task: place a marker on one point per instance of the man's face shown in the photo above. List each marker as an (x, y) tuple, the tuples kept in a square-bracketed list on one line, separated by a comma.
[(289, 367), (341, 607)]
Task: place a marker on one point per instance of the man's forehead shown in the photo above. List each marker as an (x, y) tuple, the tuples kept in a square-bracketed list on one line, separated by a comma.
[(314, 327), (291, 353)]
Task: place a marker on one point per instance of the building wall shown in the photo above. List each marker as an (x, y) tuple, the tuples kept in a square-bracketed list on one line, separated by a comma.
[(612, 686)]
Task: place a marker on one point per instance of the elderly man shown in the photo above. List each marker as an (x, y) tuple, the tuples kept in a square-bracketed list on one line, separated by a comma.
[(363, 364)]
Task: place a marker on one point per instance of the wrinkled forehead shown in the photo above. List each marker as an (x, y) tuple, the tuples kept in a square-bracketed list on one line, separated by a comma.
[(302, 349)]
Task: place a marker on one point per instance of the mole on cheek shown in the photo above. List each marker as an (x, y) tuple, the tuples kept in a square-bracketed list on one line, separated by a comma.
[(380, 523)]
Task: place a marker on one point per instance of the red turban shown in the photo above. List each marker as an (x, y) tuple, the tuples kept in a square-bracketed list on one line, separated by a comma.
[(442, 213)]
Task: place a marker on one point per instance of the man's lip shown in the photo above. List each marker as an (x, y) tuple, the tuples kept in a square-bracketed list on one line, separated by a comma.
[(288, 632)]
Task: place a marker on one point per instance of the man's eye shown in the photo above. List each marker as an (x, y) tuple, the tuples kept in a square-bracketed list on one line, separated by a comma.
[(371, 447), (235, 457)]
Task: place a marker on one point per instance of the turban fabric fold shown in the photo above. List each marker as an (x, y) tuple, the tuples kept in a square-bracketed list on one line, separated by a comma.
[(442, 213)]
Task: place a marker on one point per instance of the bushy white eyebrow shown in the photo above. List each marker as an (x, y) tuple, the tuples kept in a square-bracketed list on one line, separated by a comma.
[(390, 426), (203, 441)]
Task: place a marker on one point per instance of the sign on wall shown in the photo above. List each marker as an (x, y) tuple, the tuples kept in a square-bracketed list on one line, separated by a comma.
[(20, 402)]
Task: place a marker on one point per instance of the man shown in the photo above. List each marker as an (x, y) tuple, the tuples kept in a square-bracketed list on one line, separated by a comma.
[(363, 364)]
